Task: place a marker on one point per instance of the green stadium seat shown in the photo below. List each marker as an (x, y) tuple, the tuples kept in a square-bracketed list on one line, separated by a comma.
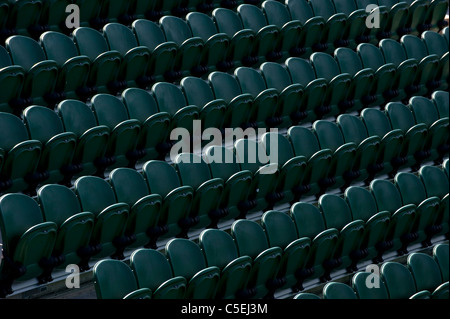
[(226, 87), (134, 58), (141, 105), (441, 292), (436, 44), (425, 271), (89, 13), (315, 89), (290, 95), (364, 207), (252, 241), (190, 48), (73, 69), (27, 239), (153, 271), (338, 290), (337, 215), (171, 99), (330, 137), (198, 92), (402, 218), (187, 260), (97, 196), (123, 287), (41, 74), (441, 101), (194, 172), (105, 64), (131, 188), (398, 279), (355, 31), (124, 132), (60, 205), (305, 143), (114, 11), (11, 81), (21, 155), (220, 251), (291, 167), (435, 18), (311, 224), (440, 255), (58, 146), (363, 291), (223, 164), (265, 100), (397, 17), (281, 232), (368, 146), (163, 179), (391, 143), (413, 191), (51, 18), (306, 295), (92, 138), (23, 17)]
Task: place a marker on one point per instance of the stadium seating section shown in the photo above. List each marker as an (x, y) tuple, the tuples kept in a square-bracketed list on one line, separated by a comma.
[(361, 117)]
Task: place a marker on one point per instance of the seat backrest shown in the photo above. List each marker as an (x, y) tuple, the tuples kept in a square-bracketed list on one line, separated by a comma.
[(280, 228), (345, 6), (435, 43), (335, 211), (393, 51), (175, 29), (386, 194), (218, 246), (370, 56), (441, 100), (5, 59), (348, 61), (308, 219), (441, 256), (300, 10), (227, 21), (161, 177), (353, 128), (414, 47), (12, 131), (323, 8), (400, 116), (250, 80), (140, 104), (185, 257), (301, 71), (222, 162), (328, 134), (283, 147), (376, 122), (224, 85), (109, 110), (94, 193), (192, 169), (201, 24), (58, 203), (275, 75), (252, 17), (325, 65), (250, 154), (398, 279), (76, 116), (250, 238), (90, 42), (129, 185), (425, 271), (197, 91), (338, 290), (148, 33), (424, 110), (123, 284), (411, 188), (58, 47), (359, 285), (435, 181), (361, 202), (303, 141), (276, 13), (24, 51), (119, 37), (42, 123), (169, 97)]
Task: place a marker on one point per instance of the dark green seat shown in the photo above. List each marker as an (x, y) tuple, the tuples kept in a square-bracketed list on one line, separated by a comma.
[(45, 125), (252, 241), (105, 64), (11, 81), (188, 261), (141, 105), (337, 215), (41, 74), (163, 179), (281, 232), (364, 207), (123, 287), (153, 271), (389, 199), (310, 223), (21, 154), (396, 18), (114, 11), (441, 292), (359, 285), (60, 205), (223, 164), (440, 255), (194, 172), (338, 290), (51, 18), (89, 12), (27, 239), (306, 296), (92, 139), (131, 188), (398, 279), (436, 44), (305, 143), (425, 271), (220, 250), (97, 196), (355, 28), (124, 132), (73, 68), (23, 17), (441, 101)]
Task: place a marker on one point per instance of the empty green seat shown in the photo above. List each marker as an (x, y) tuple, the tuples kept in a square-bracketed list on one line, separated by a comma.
[(359, 285), (23, 17), (425, 271), (441, 100), (398, 279), (123, 287), (153, 271), (338, 290), (188, 261), (436, 44), (11, 81), (355, 31), (440, 255)]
